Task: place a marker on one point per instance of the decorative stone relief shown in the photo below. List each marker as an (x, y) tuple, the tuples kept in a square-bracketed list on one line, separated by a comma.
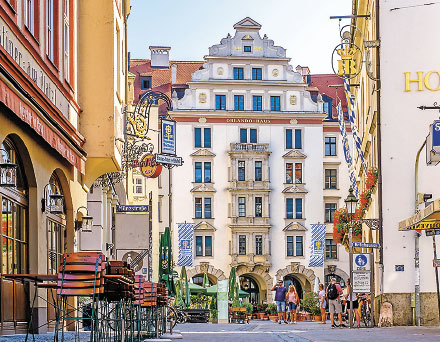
[(220, 71), (202, 98), (202, 120), (293, 100), (275, 72), (293, 121)]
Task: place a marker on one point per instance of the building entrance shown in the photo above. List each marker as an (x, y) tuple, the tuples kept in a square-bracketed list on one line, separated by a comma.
[(292, 280), (249, 285)]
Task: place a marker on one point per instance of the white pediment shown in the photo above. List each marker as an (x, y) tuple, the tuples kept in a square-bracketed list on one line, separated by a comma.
[(202, 152), (204, 226), (204, 187), (248, 23), (295, 154), (294, 226), (295, 189)]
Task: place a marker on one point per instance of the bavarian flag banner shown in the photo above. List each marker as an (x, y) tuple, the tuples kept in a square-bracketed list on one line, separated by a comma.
[(318, 245), (185, 231)]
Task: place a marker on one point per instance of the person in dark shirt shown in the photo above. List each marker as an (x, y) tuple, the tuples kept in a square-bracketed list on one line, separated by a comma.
[(280, 300)]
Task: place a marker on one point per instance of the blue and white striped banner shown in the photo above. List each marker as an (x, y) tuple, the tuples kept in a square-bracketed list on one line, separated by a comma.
[(318, 245), (352, 118), (346, 148), (186, 231)]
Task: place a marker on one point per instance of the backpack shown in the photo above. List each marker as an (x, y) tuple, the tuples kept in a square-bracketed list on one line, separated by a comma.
[(332, 292)]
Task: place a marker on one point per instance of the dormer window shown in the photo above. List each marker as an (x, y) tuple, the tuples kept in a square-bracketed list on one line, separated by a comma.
[(247, 48), (145, 83)]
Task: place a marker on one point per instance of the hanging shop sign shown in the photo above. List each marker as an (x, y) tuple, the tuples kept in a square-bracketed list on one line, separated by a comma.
[(168, 135), (427, 218), (148, 165)]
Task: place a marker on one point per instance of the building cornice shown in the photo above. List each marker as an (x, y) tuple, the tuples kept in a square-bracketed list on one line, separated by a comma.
[(247, 58), (247, 83)]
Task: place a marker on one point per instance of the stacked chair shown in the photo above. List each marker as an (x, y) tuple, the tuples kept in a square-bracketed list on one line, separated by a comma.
[(108, 298)]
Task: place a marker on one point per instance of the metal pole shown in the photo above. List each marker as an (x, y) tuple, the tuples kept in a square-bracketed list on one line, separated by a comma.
[(436, 274), (417, 238), (350, 248)]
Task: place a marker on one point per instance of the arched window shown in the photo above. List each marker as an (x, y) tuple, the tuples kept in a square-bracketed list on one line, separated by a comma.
[(339, 280), (14, 203), (198, 280)]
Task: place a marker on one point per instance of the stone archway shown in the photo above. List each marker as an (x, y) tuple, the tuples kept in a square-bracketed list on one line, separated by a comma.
[(214, 274), (262, 276), (332, 269), (304, 275)]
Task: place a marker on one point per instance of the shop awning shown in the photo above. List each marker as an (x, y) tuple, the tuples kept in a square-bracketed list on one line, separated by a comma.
[(427, 218)]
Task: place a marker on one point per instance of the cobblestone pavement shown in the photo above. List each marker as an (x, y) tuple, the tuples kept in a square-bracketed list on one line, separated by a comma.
[(266, 331)]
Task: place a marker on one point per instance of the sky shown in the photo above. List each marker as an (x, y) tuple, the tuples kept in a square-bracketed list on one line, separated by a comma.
[(190, 27)]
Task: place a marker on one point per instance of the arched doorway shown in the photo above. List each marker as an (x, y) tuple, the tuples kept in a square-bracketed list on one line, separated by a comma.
[(14, 243), (292, 280), (198, 280), (249, 285), (339, 280)]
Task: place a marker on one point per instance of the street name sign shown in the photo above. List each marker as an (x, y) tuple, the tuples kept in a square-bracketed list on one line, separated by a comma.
[(362, 281), (436, 262), (132, 208), (366, 245), (172, 160), (361, 262)]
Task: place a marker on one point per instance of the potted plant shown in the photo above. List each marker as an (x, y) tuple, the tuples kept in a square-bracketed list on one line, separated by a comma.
[(310, 303), (249, 309), (213, 310), (271, 310)]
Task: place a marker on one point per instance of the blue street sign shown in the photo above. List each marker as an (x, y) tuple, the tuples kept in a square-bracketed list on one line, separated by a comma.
[(436, 136), (168, 137), (366, 245)]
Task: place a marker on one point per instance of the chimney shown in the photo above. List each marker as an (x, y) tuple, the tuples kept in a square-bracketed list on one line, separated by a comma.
[(173, 74), (160, 56)]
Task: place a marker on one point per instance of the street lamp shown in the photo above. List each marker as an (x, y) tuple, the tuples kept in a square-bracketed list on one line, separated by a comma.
[(351, 204), (85, 224), (52, 200), (8, 171)]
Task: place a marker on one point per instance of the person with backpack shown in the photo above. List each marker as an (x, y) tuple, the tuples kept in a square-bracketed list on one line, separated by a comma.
[(334, 292)]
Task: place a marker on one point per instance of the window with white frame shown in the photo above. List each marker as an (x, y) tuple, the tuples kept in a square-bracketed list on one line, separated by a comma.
[(138, 186), (49, 29), (330, 209), (330, 146), (203, 245), (202, 172), (242, 244), (330, 181), (203, 207), (294, 208), (29, 15), (258, 244), (202, 137), (248, 135), (295, 245), (258, 206), (241, 170), (241, 206), (331, 249), (258, 171), (66, 24)]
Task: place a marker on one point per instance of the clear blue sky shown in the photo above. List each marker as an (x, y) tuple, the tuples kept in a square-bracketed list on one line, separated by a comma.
[(190, 27)]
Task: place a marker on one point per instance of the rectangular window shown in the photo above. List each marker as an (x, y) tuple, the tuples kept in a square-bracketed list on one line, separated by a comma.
[(208, 245), (289, 173), (220, 102), (138, 186), (331, 249), (243, 135), (258, 206), (289, 248), (145, 83), (298, 173), (238, 102), (197, 137), (298, 140), (289, 208), (247, 48), (49, 29), (330, 146), (258, 244), (275, 103), (238, 73), (253, 135), (298, 208), (256, 74), (198, 207), (330, 179), (288, 139), (208, 213), (257, 103), (242, 244), (66, 40), (258, 171), (207, 172), (299, 246), (199, 245), (29, 15), (241, 206), (330, 209), (241, 170), (207, 137), (198, 172)]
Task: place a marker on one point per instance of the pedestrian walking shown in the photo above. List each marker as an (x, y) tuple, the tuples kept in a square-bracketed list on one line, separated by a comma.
[(334, 292), (322, 303), (280, 300), (355, 301), (292, 299)]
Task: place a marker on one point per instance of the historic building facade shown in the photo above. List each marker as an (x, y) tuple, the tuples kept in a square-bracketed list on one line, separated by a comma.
[(262, 163)]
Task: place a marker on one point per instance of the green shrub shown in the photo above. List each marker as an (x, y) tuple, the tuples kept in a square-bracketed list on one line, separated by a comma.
[(271, 309), (310, 303), (249, 307)]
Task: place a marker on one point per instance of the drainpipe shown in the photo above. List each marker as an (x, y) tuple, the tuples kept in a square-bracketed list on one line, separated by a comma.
[(417, 238)]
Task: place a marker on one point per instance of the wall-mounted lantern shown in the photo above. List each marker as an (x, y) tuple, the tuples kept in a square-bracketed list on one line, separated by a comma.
[(52, 200), (8, 171), (85, 223)]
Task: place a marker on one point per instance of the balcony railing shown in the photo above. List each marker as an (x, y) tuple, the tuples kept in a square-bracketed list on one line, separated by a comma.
[(249, 147)]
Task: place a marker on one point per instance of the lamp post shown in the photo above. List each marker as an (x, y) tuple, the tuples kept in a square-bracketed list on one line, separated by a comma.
[(350, 204)]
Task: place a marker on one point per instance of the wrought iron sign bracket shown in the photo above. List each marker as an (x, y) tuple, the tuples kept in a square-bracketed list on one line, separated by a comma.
[(373, 224)]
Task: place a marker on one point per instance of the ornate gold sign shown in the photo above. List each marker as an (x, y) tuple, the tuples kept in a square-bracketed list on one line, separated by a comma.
[(202, 98)]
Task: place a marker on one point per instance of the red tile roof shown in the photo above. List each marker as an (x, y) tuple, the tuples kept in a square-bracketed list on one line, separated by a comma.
[(161, 78), (322, 82)]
